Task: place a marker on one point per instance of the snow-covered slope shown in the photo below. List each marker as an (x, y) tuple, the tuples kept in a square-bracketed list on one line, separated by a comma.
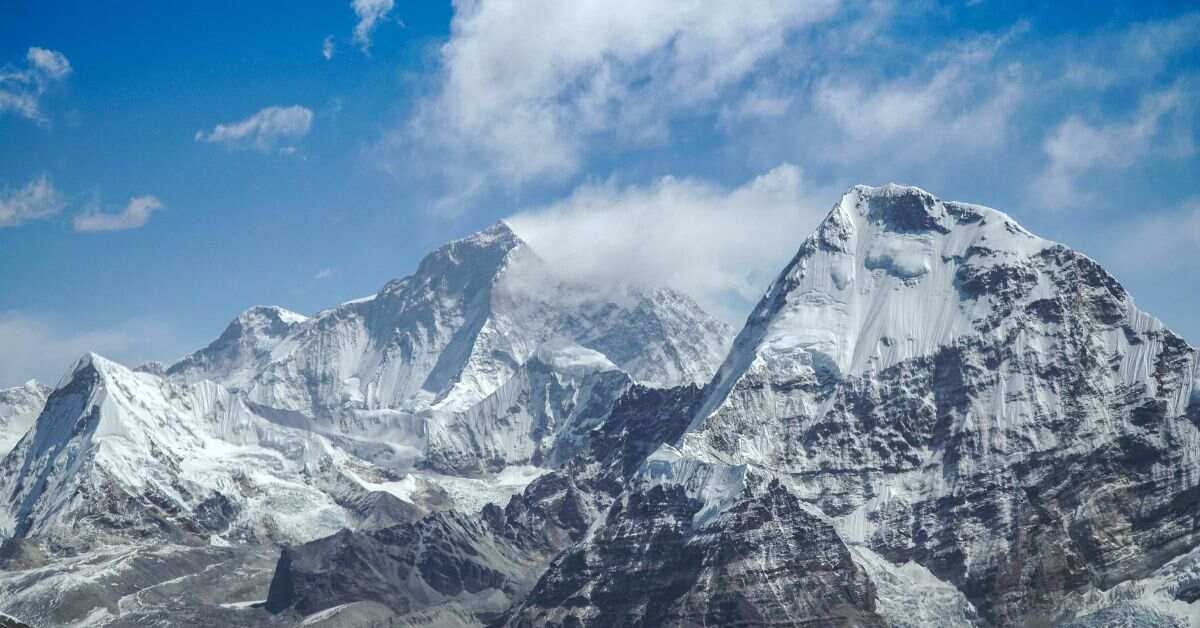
[(451, 334), (895, 276), (118, 454), (19, 407), (541, 416)]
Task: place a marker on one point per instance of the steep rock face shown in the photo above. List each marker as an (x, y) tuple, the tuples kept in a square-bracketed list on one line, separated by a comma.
[(768, 559), (19, 407), (963, 394), (451, 334), (640, 422)]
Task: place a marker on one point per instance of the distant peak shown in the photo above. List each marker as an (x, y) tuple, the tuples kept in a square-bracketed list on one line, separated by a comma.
[(272, 312), (87, 360), (499, 235), (498, 229), (483, 251), (87, 363), (889, 190)]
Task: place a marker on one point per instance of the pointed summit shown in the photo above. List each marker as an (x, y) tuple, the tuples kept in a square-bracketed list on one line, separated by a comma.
[(247, 339), (477, 257)]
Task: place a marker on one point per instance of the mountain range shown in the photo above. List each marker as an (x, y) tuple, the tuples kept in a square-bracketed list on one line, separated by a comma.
[(933, 417)]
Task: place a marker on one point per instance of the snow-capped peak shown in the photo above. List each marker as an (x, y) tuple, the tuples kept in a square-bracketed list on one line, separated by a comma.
[(574, 359), (451, 333), (894, 273), (86, 362), (479, 256), (260, 314), (885, 277)]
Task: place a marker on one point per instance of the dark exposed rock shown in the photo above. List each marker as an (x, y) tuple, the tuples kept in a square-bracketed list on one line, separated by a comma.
[(768, 560)]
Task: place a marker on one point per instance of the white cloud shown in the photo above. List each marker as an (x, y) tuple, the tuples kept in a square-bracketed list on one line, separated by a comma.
[(527, 83), (50, 63), (1171, 239), (1135, 54), (722, 246), (325, 273), (957, 96), (369, 13), (135, 215), (35, 200), (1076, 148), (1152, 43), (21, 90), (327, 47), (35, 348), (270, 128)]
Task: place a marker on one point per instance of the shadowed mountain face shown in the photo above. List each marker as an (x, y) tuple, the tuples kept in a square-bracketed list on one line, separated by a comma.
[(932, 418)]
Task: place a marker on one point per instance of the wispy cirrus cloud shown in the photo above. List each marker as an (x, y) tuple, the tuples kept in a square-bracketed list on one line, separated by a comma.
[(958, 90), (369, 13), (1077, 149), (21, 88), (272, 128), (135, 215), (35, 200)]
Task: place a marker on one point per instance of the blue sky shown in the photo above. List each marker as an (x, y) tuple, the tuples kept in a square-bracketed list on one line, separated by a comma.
[(164, 167)]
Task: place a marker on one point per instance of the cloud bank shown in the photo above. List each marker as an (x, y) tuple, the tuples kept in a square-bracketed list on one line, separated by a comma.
[(526, 85), (720, 245)]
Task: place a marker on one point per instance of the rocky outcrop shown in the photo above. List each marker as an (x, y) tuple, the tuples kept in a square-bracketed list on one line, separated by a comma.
[(768, 559)]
